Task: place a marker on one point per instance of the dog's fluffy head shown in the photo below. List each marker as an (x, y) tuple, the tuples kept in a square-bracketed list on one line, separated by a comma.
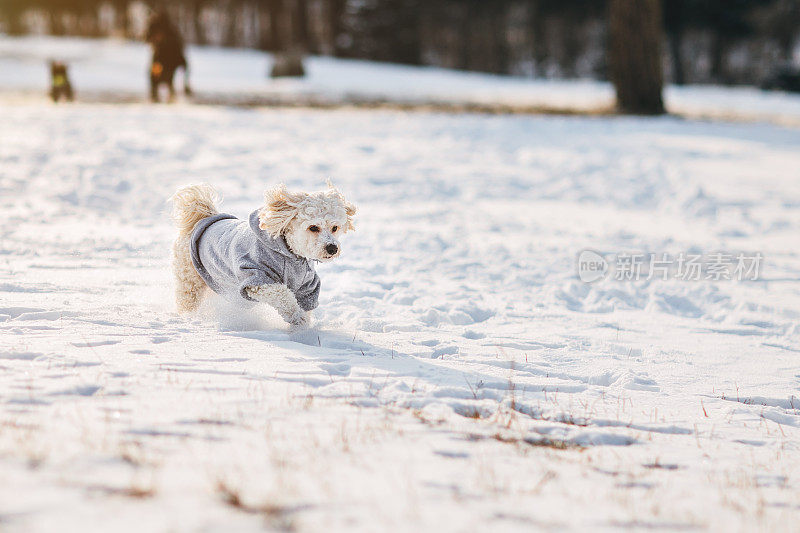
[(311, 222)]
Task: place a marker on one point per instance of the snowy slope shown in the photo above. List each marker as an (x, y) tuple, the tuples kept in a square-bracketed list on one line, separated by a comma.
[(116, 69), (459, 376)]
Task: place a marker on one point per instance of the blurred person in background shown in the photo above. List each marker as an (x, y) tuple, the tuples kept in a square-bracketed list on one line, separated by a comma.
[(168, 55)]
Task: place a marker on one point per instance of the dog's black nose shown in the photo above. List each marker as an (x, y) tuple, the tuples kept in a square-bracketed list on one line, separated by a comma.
[(331, 249)]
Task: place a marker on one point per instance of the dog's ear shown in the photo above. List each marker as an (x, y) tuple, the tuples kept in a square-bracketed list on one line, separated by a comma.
[(349, 208), (280, 208)]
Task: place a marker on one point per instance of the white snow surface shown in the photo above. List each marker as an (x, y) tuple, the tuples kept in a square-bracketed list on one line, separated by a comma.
[(116, 67), (459, 377)]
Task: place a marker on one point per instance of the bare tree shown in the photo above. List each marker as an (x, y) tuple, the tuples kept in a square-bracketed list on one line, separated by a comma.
[(232, 33), (277, 25), (635, 36), (300, 33), (335, 10)]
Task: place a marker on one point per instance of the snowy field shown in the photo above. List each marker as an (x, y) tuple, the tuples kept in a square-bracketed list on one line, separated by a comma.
[(459, 376), (115, 70)]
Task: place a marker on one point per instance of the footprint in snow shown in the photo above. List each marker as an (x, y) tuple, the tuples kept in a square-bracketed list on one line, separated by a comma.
[(444, 350), (451, 455), (94, 344), (85, 390), (14, 312), (627, 380), (23, 356), (431, 342), (41, 315), (749, 442), (342, 369)]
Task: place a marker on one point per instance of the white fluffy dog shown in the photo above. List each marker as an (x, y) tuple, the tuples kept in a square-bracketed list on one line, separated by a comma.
[(268, 258)]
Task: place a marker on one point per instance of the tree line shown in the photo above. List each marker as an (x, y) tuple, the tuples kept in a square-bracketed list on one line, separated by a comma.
[(706, 41)]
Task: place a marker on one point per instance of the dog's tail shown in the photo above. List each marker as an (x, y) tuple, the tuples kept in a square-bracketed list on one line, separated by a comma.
[(191, 204)]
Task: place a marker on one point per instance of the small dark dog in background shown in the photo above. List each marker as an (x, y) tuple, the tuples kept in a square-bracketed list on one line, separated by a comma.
[(60, 87)]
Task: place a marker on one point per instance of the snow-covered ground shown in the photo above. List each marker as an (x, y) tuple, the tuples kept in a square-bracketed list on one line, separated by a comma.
[(117, 69), (459, 376)]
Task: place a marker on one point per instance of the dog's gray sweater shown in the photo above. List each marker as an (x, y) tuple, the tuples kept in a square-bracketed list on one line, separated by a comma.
[(232, 255)]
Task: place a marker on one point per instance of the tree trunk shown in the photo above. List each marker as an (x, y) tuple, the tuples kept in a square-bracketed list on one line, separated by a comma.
[(197, 22), (539, 24), (635, 55), (277, 29), (335, 11), (719, 50), (89, 21), (465, 40), (300, 40), (57, 23), (11, 14), (122, 23), (264, 29), (231, 36), (501, 57), (676, 56)]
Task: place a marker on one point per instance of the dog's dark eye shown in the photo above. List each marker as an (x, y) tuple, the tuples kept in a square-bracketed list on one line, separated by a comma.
[(335, 229), (313, 229)]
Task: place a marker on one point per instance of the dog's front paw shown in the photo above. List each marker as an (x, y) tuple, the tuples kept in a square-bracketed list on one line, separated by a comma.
[(299, 321)]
